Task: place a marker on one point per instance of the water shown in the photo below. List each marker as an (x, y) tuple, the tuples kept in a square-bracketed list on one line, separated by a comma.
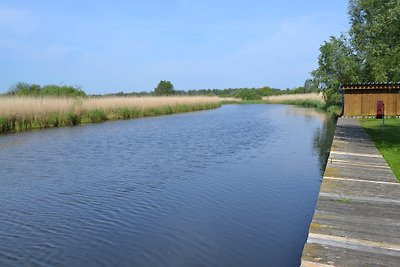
[(236, 186)]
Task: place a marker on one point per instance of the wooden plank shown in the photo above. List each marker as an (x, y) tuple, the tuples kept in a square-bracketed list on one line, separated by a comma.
[(357, 218)]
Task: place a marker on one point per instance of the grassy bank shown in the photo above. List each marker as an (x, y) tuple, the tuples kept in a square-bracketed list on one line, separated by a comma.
[(26, 113), (294, 97), (387, 139), (307, 103), (314, 100), (334, 111), (310, 100), (243, 102)]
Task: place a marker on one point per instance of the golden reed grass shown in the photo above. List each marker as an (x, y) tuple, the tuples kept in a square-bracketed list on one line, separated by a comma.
[(22, 106), (291, 97), (112, 103), (24, 113)]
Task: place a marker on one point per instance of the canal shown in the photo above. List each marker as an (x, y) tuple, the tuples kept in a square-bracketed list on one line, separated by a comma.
[(236, 186)]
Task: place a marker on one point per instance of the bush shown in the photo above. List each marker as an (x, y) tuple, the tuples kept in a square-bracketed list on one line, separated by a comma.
[(3, 125), (53, 120), (248, 94), (26, 89), (97, 115), (72, 119), (335, 111), (123, 113)]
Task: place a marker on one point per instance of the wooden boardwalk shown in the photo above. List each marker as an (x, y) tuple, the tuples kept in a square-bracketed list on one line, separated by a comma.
[(357, 219)]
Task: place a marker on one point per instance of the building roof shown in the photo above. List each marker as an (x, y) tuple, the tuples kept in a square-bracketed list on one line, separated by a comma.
[(373, 86)]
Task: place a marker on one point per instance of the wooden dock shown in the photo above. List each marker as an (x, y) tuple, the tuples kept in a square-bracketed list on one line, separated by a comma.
[(357, 218)]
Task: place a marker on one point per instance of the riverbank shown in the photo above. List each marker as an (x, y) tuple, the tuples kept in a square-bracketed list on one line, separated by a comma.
[(387, 140), (288, 97), (356, 218), (27, 113), (310, 100)]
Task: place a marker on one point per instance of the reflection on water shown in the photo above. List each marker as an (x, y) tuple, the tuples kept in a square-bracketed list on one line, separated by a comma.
[(323, 138), (235, 186)]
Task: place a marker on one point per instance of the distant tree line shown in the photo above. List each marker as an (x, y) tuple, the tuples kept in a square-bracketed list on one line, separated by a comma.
[(26, 89), (164, 88), (368, 52)]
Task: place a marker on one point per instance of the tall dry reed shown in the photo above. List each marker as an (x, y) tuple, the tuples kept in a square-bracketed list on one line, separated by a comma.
[(24, 113), (291, 97)]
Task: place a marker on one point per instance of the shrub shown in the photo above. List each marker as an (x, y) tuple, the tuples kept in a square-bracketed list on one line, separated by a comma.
[(335, 111), (72, 119), (248, 94), (3, 125), (97, 115), (123, 113)]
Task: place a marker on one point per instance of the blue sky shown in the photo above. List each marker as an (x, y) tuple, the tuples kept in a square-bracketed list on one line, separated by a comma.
[(110, 46)]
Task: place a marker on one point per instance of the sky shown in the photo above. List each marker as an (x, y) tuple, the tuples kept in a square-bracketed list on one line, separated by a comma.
[(120, 45)]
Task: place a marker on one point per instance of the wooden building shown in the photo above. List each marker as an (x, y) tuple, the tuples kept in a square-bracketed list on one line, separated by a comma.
[(361, 99)]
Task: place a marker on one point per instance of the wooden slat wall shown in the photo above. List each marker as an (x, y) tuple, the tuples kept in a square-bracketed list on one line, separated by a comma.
[(392, 104), (363, 102), (398, 104), (352, 104)]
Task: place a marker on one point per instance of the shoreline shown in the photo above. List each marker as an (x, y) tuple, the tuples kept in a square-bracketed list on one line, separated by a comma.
[(21, 114), (25, 114)]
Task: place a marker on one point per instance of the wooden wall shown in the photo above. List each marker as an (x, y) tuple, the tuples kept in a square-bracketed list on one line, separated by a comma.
[(363, 102)]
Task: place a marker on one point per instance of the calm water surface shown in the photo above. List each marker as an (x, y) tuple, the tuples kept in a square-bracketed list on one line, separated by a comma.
[(235, 186)]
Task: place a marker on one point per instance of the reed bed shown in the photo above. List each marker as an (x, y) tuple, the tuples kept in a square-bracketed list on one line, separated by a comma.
[(25, 113), (292, 97), (309, 100)]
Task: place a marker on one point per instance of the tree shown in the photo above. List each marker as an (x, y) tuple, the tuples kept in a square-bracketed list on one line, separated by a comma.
[(337, 65), (26, 89), (248, 94), (164, 88), (309, 86), (369, 53), (64, 90), (375, 35)]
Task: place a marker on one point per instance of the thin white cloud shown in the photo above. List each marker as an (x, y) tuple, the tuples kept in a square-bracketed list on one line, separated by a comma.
[(11, 15), (12, 19)]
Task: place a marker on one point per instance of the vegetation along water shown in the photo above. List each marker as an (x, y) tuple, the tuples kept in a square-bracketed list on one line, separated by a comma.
[(25, 113)]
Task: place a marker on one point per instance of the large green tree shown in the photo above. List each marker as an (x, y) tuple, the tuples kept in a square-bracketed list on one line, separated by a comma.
[(370, 52), (375, 37), (337, 65), (164, 88)]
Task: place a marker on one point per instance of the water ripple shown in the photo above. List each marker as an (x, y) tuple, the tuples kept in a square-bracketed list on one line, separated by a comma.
[(229, 187)]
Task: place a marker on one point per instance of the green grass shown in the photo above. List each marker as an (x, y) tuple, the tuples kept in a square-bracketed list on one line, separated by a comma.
[(308, 103), (334, 111), (387, 140), (344, 200)]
